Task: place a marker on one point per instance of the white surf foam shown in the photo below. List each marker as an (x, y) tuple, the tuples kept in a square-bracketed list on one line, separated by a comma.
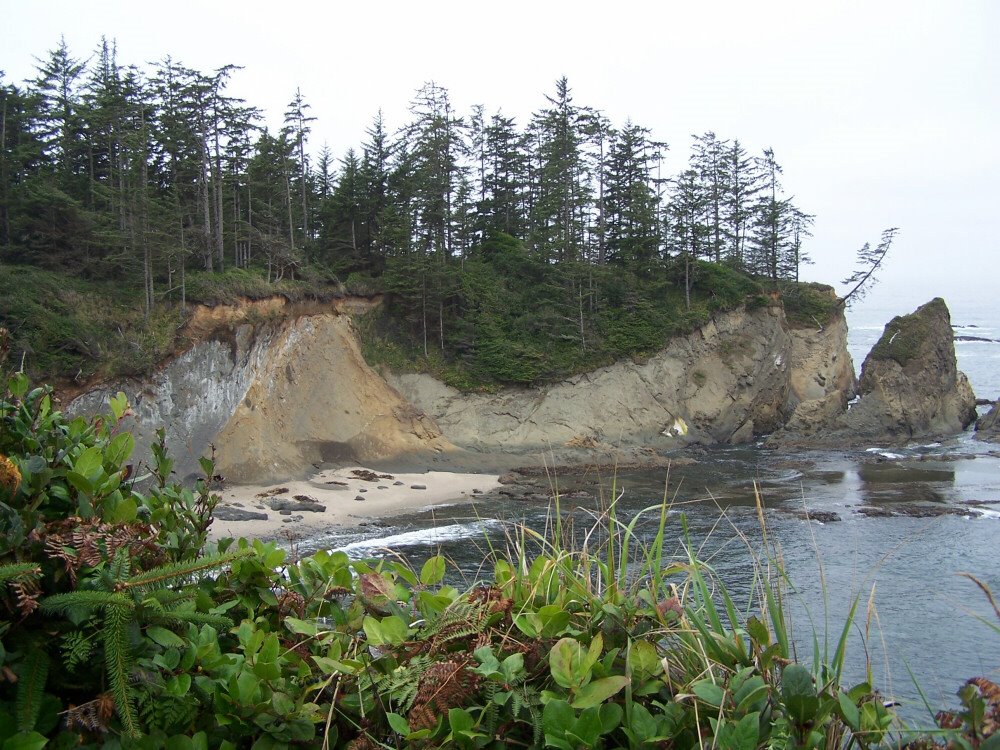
[(433, 535)]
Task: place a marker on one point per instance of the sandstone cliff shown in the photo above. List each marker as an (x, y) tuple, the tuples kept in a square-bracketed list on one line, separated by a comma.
[(737, 377), (275, 387)]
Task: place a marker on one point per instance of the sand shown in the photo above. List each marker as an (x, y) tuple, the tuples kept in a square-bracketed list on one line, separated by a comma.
[(348, 500)]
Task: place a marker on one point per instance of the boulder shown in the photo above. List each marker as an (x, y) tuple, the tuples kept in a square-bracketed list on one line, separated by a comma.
[(988, 426)]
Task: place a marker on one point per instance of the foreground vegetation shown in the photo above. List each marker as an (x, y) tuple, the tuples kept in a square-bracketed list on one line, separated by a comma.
[(122, 627)]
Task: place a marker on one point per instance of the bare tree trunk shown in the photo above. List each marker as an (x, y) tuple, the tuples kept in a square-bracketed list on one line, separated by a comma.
[(291, 225), (4, 172), (147, 251), (206, 207)]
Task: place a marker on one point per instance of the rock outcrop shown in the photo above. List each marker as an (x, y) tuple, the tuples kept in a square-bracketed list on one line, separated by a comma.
[(910, 388), (988, 425), (275, 387), (315, 399), (735, 378)]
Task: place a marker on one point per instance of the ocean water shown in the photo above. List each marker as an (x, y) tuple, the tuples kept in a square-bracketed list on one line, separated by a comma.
[(924, 618)]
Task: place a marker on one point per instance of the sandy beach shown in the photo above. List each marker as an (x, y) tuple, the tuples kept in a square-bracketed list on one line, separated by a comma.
[(338, 498)]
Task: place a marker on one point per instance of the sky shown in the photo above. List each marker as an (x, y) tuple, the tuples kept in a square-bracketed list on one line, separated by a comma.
[(883, 113)]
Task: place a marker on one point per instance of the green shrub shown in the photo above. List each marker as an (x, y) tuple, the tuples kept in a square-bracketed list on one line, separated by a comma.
[(809, 304), (236, 645)]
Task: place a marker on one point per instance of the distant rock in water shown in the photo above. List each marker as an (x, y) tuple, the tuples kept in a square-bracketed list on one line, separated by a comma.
[(910, 387), (975, 338), (988, 426)]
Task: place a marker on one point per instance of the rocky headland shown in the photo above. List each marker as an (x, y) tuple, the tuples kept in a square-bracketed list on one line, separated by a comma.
[(280, 390)]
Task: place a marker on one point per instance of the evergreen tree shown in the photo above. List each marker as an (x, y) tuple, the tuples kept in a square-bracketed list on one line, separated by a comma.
[(742, 186), (561, 191), (297, 121), (708, 160), (632, 232)]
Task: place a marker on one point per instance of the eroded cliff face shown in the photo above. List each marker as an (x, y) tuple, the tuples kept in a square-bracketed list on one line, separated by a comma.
[(276, 387), (314, 399), (736, 377)]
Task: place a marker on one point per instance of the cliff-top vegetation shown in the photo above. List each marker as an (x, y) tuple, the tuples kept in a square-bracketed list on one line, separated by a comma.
[(508, 251)]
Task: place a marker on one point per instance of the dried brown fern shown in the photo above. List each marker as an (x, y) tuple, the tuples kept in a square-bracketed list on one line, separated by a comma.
[(80, 543), (444, 685)]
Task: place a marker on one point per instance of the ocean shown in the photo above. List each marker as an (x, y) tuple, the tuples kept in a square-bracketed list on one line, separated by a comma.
[(926, 620)]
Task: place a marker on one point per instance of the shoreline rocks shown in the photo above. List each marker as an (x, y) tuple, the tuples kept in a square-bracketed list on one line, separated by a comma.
[(910, 388)]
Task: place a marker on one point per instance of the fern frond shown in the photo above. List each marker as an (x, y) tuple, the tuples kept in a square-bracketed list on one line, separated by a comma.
[(460, 620), (60, 603), (400, 685), (174, 616), (165, 575), (17, 570), (76, 649), (32, 674), (119, 661)]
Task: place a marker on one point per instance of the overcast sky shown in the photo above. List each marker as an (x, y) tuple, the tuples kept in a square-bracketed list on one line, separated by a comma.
[(883, 113)]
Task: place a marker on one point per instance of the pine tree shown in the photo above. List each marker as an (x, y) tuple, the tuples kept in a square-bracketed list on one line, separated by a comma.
[(298, 121), (561, 191), (687, 231), (708, 160), (742, 186), (632, 232)]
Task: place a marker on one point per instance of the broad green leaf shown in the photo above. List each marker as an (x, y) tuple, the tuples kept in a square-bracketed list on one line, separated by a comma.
[(301, 627), (89, 462), (118, 404), (282, 704), (758, 631), (398, 723), (558, 717), (796, 681), (709, 692), (742, 735), (269, 649), (80, 482), (25, 741), (849, 712), (799, 694), (553, 619), (642, 724), (124, 511), (598, 691), (644, 660), (460, 720), (587, 728), (566, 661), (166, 638), (432, 571), (178, 685), (373, 631), (119, 449), (394, 630)]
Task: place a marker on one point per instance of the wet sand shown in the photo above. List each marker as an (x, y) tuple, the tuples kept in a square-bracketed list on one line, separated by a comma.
[(339, 498)]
